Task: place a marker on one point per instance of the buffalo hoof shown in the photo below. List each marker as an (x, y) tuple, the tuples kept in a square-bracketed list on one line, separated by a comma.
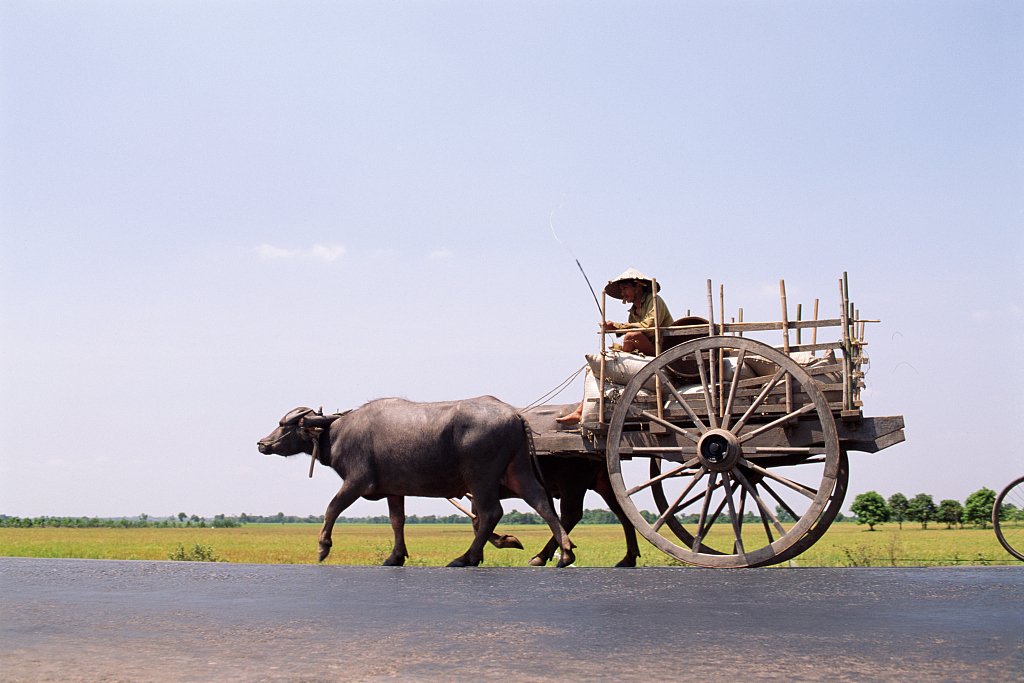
[(627, 561), (325, 550), (394, 561), (537, 561), (566, 559), (463, 562), (507, 541)]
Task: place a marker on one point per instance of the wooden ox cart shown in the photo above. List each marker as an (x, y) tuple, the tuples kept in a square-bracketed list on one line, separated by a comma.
[(735, 450)]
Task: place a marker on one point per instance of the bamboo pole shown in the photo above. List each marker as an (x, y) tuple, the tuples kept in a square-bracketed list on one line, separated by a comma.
[(785, 345), (464, 510), (814, 333), (711, 352), (721, 353), (799, 311), (600, 382), (657, 346)]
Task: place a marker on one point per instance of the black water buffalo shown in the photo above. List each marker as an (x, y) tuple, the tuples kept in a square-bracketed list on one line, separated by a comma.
[(392, 448)]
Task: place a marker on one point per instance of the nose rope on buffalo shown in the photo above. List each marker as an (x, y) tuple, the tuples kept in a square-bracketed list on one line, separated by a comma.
[(316, 454)]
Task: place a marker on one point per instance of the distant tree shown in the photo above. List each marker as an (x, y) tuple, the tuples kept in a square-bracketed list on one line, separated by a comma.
[(182, 516), (898, 508), (599, 516), (1008, 512), (517, 517), (782, 515), (143, 517), (921, 509), (951, 512), (978, 507), (870, 509)]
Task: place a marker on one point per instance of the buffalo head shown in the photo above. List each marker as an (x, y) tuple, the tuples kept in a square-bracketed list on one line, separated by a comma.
[(295, 432), (290, 437)]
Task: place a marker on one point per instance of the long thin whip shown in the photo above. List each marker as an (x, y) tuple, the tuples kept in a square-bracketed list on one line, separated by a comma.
[(551, 223)]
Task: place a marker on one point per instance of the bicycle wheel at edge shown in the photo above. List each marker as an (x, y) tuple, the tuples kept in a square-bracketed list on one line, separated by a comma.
[(1010, 534)]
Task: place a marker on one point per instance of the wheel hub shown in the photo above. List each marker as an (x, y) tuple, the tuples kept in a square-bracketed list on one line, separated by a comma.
[(718, 450)]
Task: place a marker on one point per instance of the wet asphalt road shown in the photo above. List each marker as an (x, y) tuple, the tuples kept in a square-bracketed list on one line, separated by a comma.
[(88, 620)]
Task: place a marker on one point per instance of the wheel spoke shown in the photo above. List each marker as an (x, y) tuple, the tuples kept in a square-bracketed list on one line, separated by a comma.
[(666, 424), (712, 519), (665, 475), (759, 400), (661, 450), (727, 413), (679, 398), (704, 511), (799, 488), (676, 507), (775, 423), (733, 517), (708, 397), (785, 506), (781, 450), (765, 512)]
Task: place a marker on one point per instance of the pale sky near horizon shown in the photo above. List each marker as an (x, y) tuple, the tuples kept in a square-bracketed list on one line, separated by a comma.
[(214, 212)]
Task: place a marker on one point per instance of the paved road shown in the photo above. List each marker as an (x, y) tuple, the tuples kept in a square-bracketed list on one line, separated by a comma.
[(88, 620)]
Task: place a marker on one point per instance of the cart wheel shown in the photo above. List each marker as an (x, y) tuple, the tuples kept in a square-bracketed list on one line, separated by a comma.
[(1010, 532), (719, 455)]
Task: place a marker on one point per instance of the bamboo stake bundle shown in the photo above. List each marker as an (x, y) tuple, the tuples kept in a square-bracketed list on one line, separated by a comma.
[(846, 344)]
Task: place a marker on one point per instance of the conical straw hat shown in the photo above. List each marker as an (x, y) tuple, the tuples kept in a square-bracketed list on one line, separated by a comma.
[(613, 287)]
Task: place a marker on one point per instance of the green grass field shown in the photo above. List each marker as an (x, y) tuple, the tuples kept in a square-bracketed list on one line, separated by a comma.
[(843, 545)]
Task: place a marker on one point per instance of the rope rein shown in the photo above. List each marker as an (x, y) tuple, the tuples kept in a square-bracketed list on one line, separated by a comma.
[(557, 390)]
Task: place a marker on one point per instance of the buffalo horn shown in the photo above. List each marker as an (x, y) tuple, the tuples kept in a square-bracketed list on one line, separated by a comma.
[(317, 421), (294, 415)]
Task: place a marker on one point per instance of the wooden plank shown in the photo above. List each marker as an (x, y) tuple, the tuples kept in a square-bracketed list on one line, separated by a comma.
[(752, 326), (871, 435)]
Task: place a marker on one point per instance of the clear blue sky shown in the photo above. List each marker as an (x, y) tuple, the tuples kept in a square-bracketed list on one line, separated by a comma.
[(214, 212)]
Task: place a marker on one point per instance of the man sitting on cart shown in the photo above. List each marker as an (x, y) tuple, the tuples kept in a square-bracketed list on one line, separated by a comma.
[(635, 288)]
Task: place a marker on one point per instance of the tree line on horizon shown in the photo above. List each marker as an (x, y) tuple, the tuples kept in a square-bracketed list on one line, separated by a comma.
[(868, 508), (871, 508)]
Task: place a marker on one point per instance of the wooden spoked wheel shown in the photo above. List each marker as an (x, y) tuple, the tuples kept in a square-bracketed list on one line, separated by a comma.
[(743, 471)]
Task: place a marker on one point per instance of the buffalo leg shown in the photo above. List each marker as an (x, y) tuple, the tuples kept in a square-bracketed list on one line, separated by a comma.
[(497, 540), (603, 486), (571, 507), (487, 508), (539, 500), (345, 497), (396, 511)]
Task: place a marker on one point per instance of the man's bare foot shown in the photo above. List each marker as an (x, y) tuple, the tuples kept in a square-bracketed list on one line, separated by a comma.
[(572, 418)]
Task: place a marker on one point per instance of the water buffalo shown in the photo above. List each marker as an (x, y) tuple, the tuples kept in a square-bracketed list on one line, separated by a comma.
[(392, 448)]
